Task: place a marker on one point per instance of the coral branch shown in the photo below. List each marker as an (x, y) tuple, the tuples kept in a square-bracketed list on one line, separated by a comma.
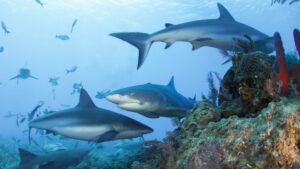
[(282, 66)]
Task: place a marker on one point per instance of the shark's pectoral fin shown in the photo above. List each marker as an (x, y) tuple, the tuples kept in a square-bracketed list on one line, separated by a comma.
[(16, 77), (151, 115), (107, 136), (168, 25), (47, 164), (168, 44), (175, 112), (33, 77), (198, 43)]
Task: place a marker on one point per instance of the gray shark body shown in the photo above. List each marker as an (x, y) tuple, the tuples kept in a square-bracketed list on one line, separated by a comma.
[(219, 33), (23, 74), (88, 122), (61, 159), (152, 100)]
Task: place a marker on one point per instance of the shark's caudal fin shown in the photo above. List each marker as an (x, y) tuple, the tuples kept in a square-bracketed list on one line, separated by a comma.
[(138, 40), (26, 156), (85, 100), (224, 13)]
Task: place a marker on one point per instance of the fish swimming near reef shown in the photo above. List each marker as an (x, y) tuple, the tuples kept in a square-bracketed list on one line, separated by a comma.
[(76, 88), (61, 159), (40, 3), (219, 33), (6, 32), (53, 81), (1, 49), (73, 25), (102, 94), (90, 123), (24, 74), (62, 37), (72, 69), (152, 100)]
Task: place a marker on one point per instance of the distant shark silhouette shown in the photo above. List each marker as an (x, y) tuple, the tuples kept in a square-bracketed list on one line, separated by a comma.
[(88, 122), (60, 159), (152, 100), (219, 33), (23, 74), (6, 32)]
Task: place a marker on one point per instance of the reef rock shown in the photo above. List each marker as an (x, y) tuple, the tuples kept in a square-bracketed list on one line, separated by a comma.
[(270, 140), (249, 85)]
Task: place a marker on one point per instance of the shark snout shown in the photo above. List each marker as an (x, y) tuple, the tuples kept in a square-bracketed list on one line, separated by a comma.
[(121, 98)]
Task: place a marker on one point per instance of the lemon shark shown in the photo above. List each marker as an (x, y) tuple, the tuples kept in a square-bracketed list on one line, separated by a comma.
[(152, 100), (90, 123), (61, 159), (221, 33)]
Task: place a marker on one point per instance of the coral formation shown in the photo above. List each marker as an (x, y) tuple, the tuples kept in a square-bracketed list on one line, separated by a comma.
[(249, 85)]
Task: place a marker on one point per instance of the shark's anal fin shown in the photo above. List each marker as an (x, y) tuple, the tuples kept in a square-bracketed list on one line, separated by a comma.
[(85, 100), (26, 156), (168, 25), (107, 136), (224, 14)]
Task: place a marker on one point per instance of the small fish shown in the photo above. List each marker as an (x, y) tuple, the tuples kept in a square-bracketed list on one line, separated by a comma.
[(103, 94), (1, 49), (62, 37), (9, 114), (53, 81), (73, 24), (40, 3), (6, 32), (32, 113), (72, 69), (77, 88)]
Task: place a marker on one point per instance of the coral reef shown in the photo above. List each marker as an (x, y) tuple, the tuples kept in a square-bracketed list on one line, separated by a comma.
[(249, 85), (270, 140)]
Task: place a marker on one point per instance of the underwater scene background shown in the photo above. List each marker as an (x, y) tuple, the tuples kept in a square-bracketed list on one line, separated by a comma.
[(66, 45)]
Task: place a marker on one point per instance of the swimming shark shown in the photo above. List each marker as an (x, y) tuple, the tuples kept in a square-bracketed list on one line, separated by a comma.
[(61, 159), (73, 25), (24, 73), (221, 33), (152, 100), (40, 3), (6, 32), (88, 122)]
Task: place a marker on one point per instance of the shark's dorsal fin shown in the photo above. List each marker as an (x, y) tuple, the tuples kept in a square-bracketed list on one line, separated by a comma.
[(26, 156), (224, 13), (168, 25), (85, 100), (171, 84)]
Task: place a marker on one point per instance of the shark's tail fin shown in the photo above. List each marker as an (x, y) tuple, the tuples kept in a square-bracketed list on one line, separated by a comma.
[(139, 40)]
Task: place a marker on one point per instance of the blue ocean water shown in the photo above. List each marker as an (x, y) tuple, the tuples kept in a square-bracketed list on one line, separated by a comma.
[(105, 62)]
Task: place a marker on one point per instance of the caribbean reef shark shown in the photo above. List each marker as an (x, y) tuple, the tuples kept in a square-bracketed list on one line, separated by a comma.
[(61, 159), (24, 74), (88, 122), (219, 33), (152, 100)]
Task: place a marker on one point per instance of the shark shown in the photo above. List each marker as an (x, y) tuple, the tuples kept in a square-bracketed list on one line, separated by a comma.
[(73, 25), (61, 159), (88, 122), (6, 32), (221, 33), (24, 73), (62, 37), (152, 100), (40, 3)]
